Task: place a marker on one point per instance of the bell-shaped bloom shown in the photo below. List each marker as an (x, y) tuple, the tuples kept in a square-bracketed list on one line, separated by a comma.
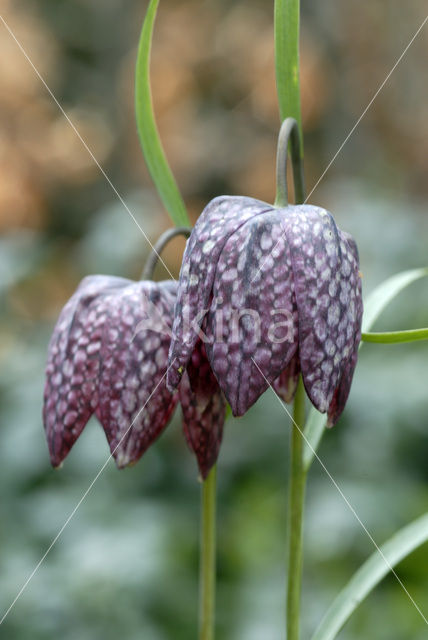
[(108, 356), (272, 292)]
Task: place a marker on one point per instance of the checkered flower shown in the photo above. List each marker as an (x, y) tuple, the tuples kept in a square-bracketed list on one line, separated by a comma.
[(272, 292), (108, 356)]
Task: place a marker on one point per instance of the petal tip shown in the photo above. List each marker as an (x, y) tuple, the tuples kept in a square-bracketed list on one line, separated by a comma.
[(173, 378), (122, 460)]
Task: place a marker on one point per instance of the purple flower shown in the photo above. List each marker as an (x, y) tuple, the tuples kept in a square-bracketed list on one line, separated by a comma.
[(273, 292), (108, 356)]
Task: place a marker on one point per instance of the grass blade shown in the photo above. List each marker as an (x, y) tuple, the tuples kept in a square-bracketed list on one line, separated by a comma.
[(370, 574), (147, 130), (386, 292)]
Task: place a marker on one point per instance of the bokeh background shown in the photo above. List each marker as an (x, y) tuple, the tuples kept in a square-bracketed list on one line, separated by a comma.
[(127, 563)]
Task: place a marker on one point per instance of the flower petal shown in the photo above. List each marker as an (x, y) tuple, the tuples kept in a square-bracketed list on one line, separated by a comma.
[(286, 383), (71, 388), (222, 217), (202, 423), (135, 404), (252, 321), (342, 391), (327, 290), (203, 382)]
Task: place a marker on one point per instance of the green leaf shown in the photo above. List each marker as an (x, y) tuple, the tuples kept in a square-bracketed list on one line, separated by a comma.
[(373, 307), (385, 292), (370, 574), (396, 337), (228, 413), (287, 19), (147, 130), (313, 431)]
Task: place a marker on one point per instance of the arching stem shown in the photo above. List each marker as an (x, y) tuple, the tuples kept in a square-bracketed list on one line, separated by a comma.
[(289, 139), (160, 245)]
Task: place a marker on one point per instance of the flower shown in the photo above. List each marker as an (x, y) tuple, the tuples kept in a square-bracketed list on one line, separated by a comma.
[(274, 292), (108, 356)]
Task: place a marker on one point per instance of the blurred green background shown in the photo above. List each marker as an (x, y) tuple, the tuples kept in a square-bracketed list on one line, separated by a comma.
[(127, 563)]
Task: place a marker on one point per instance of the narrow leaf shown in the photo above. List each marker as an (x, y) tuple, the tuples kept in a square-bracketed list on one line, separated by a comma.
[(287, 19), (147, 130), (386, 292), (314, 430), (396, 337), (373, 307), (370, 574)]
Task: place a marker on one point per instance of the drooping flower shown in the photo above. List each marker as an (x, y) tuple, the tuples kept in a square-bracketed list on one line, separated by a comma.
[(274, 292), (108, 356)]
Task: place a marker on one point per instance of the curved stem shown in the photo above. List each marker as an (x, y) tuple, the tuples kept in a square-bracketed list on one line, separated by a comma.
[(160, 245), (295, 515), (368, 576), (289, 136), (208, 558)]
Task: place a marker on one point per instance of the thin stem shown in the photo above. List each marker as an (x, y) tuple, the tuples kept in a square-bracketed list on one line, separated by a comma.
[(287, 23), (295, 515), (160, 245), (207, 577), (287, 29), (396, 337), (289, 136)]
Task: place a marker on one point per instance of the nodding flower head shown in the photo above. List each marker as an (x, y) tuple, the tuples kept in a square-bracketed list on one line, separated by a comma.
[(108, 356), (273, 291)]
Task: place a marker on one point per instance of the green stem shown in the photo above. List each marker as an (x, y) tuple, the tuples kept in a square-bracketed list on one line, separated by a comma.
[(160, 245), (287, 26), (295, 515), (208, 558), (289, 137), (287, 22), (395, 337)]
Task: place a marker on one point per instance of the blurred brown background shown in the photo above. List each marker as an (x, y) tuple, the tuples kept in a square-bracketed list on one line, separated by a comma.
[(128, 561)]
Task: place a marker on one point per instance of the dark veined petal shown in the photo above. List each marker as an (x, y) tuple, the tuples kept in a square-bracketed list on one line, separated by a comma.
[(286, 383), (71, 388), (252, 321), (356, 309), (326, 286), (222, 217), (341, 394), (203, 413), (203, 382), (135, 404)]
